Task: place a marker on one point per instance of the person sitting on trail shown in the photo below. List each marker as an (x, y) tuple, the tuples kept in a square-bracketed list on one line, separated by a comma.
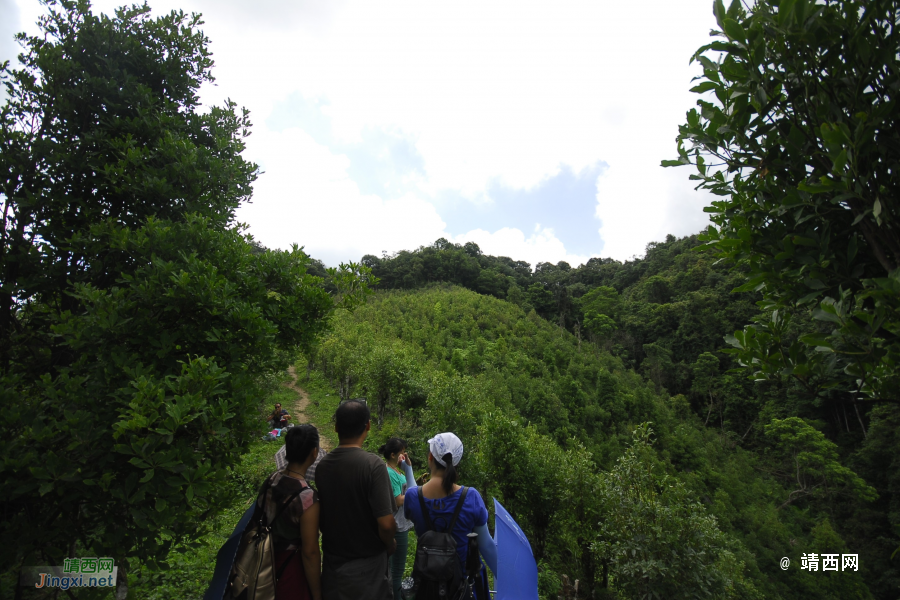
[(296, 531), (279, 417), (395, 456), (358, 509), (440, 497)]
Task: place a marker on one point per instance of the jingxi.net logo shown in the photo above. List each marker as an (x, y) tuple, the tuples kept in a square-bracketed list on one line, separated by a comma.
[(810, 561), (75, 572)]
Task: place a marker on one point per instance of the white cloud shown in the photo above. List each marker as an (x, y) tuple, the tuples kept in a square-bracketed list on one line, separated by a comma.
[(9, 26), (540, 246), (506, 90), (305, 196)]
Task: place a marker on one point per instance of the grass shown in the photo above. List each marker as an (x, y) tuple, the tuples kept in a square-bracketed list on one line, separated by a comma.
[(190, 567)]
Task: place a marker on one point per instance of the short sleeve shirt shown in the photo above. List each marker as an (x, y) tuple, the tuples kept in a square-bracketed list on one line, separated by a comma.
[(355, 491), (473, 514), (398, 488), (278, 418), (286, 529)]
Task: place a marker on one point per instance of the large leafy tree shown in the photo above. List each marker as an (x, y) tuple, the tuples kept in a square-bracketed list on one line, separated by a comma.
[(809, 462), (797, 132), (135, 320), (646, 516)]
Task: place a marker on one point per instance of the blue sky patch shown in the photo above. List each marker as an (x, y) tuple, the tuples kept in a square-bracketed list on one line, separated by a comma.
[(383, 161), (565, 202)]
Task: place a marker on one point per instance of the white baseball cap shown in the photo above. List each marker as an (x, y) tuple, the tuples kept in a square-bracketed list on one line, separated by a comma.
[(444, 443)]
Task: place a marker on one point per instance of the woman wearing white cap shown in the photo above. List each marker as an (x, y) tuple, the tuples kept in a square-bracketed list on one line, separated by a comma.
[(441, 495)]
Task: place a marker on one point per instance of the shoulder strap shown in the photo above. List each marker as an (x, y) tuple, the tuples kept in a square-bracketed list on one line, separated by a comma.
[(459, 505), (285, 564), (260, 510), (427, 517), (287, 503)]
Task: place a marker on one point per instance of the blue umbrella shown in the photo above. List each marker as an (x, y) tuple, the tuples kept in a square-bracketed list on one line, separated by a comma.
[(517, 577), (225, 559)]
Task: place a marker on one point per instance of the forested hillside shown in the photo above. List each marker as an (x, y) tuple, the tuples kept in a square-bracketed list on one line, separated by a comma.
[(673, 426), (666, 315), (553, 428)]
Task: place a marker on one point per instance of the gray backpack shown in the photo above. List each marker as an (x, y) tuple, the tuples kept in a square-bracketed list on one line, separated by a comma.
[(254, 575)]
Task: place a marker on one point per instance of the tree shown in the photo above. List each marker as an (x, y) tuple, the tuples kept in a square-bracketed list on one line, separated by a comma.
[(136, 321), (832, 585), (385, 373), (706, 371), (541, 299), (657, 290), (599, 325), (646, 515), (602, 300), (809, 461), (800, 140)]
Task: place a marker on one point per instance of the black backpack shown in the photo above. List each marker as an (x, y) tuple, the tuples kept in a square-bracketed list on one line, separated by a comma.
[(437, 574)]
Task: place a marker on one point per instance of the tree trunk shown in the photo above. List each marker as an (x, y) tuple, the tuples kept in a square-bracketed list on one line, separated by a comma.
[(709, 412), (861, 424), (846, 420), (382, 402), (121, 584), (605, 574)]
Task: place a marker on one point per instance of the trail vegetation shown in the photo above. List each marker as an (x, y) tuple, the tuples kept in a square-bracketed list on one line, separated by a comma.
[(671, 426), (606, 470)]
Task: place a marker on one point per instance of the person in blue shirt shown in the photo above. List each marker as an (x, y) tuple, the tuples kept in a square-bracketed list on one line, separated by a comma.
[(442, 493)]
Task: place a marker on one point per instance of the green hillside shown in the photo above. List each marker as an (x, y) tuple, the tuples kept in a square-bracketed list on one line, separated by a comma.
[(552, 427), (667, 316)]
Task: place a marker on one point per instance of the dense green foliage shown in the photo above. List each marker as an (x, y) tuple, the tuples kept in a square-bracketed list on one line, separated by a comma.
[(799, 138), (659, 314), (136, 322), (660, 540), (548, 424), (188, 567), (801, 141), (139, 328), (667, 316)]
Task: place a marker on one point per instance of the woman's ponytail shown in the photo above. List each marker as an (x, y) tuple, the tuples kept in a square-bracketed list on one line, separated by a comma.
[(450, 474)]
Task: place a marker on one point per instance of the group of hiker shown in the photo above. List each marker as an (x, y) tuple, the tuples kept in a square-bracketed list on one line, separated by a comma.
[(364, 505)]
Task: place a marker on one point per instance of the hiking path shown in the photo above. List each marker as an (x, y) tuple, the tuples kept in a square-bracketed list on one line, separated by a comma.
[(301, 404)]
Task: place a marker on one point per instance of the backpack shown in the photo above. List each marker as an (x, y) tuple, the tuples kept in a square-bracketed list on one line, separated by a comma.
[(253, 575), (437, 574)]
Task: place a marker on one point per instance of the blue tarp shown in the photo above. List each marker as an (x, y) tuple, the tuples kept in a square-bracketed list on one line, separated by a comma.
[(225, 559), (517, 577)]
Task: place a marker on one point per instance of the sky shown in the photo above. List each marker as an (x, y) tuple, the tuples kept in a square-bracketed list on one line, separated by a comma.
[(535, 129)]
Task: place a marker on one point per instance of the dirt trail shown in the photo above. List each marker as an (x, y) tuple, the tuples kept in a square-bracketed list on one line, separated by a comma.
[(299, 412)]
